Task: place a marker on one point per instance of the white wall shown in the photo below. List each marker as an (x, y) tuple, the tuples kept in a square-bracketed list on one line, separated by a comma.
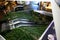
[(56, 15), (58, 1)]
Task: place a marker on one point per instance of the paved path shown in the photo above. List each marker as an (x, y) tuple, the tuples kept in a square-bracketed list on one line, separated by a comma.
[(21, 22), (44, 12)]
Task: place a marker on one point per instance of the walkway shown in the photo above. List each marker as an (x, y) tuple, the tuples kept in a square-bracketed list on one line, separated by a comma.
[(20, 22)]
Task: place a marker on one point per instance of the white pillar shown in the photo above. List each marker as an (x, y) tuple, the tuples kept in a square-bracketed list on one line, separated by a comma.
[(56, 15)]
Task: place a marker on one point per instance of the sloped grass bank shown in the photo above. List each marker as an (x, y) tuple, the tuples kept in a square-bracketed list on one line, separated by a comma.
[(24, 33)]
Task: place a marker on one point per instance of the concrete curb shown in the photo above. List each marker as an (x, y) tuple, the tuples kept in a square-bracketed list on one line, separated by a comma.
[(2, 38)]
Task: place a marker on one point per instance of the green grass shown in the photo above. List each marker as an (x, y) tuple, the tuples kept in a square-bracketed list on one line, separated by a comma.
[(24, 33), (14, 15), (20, 14)]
